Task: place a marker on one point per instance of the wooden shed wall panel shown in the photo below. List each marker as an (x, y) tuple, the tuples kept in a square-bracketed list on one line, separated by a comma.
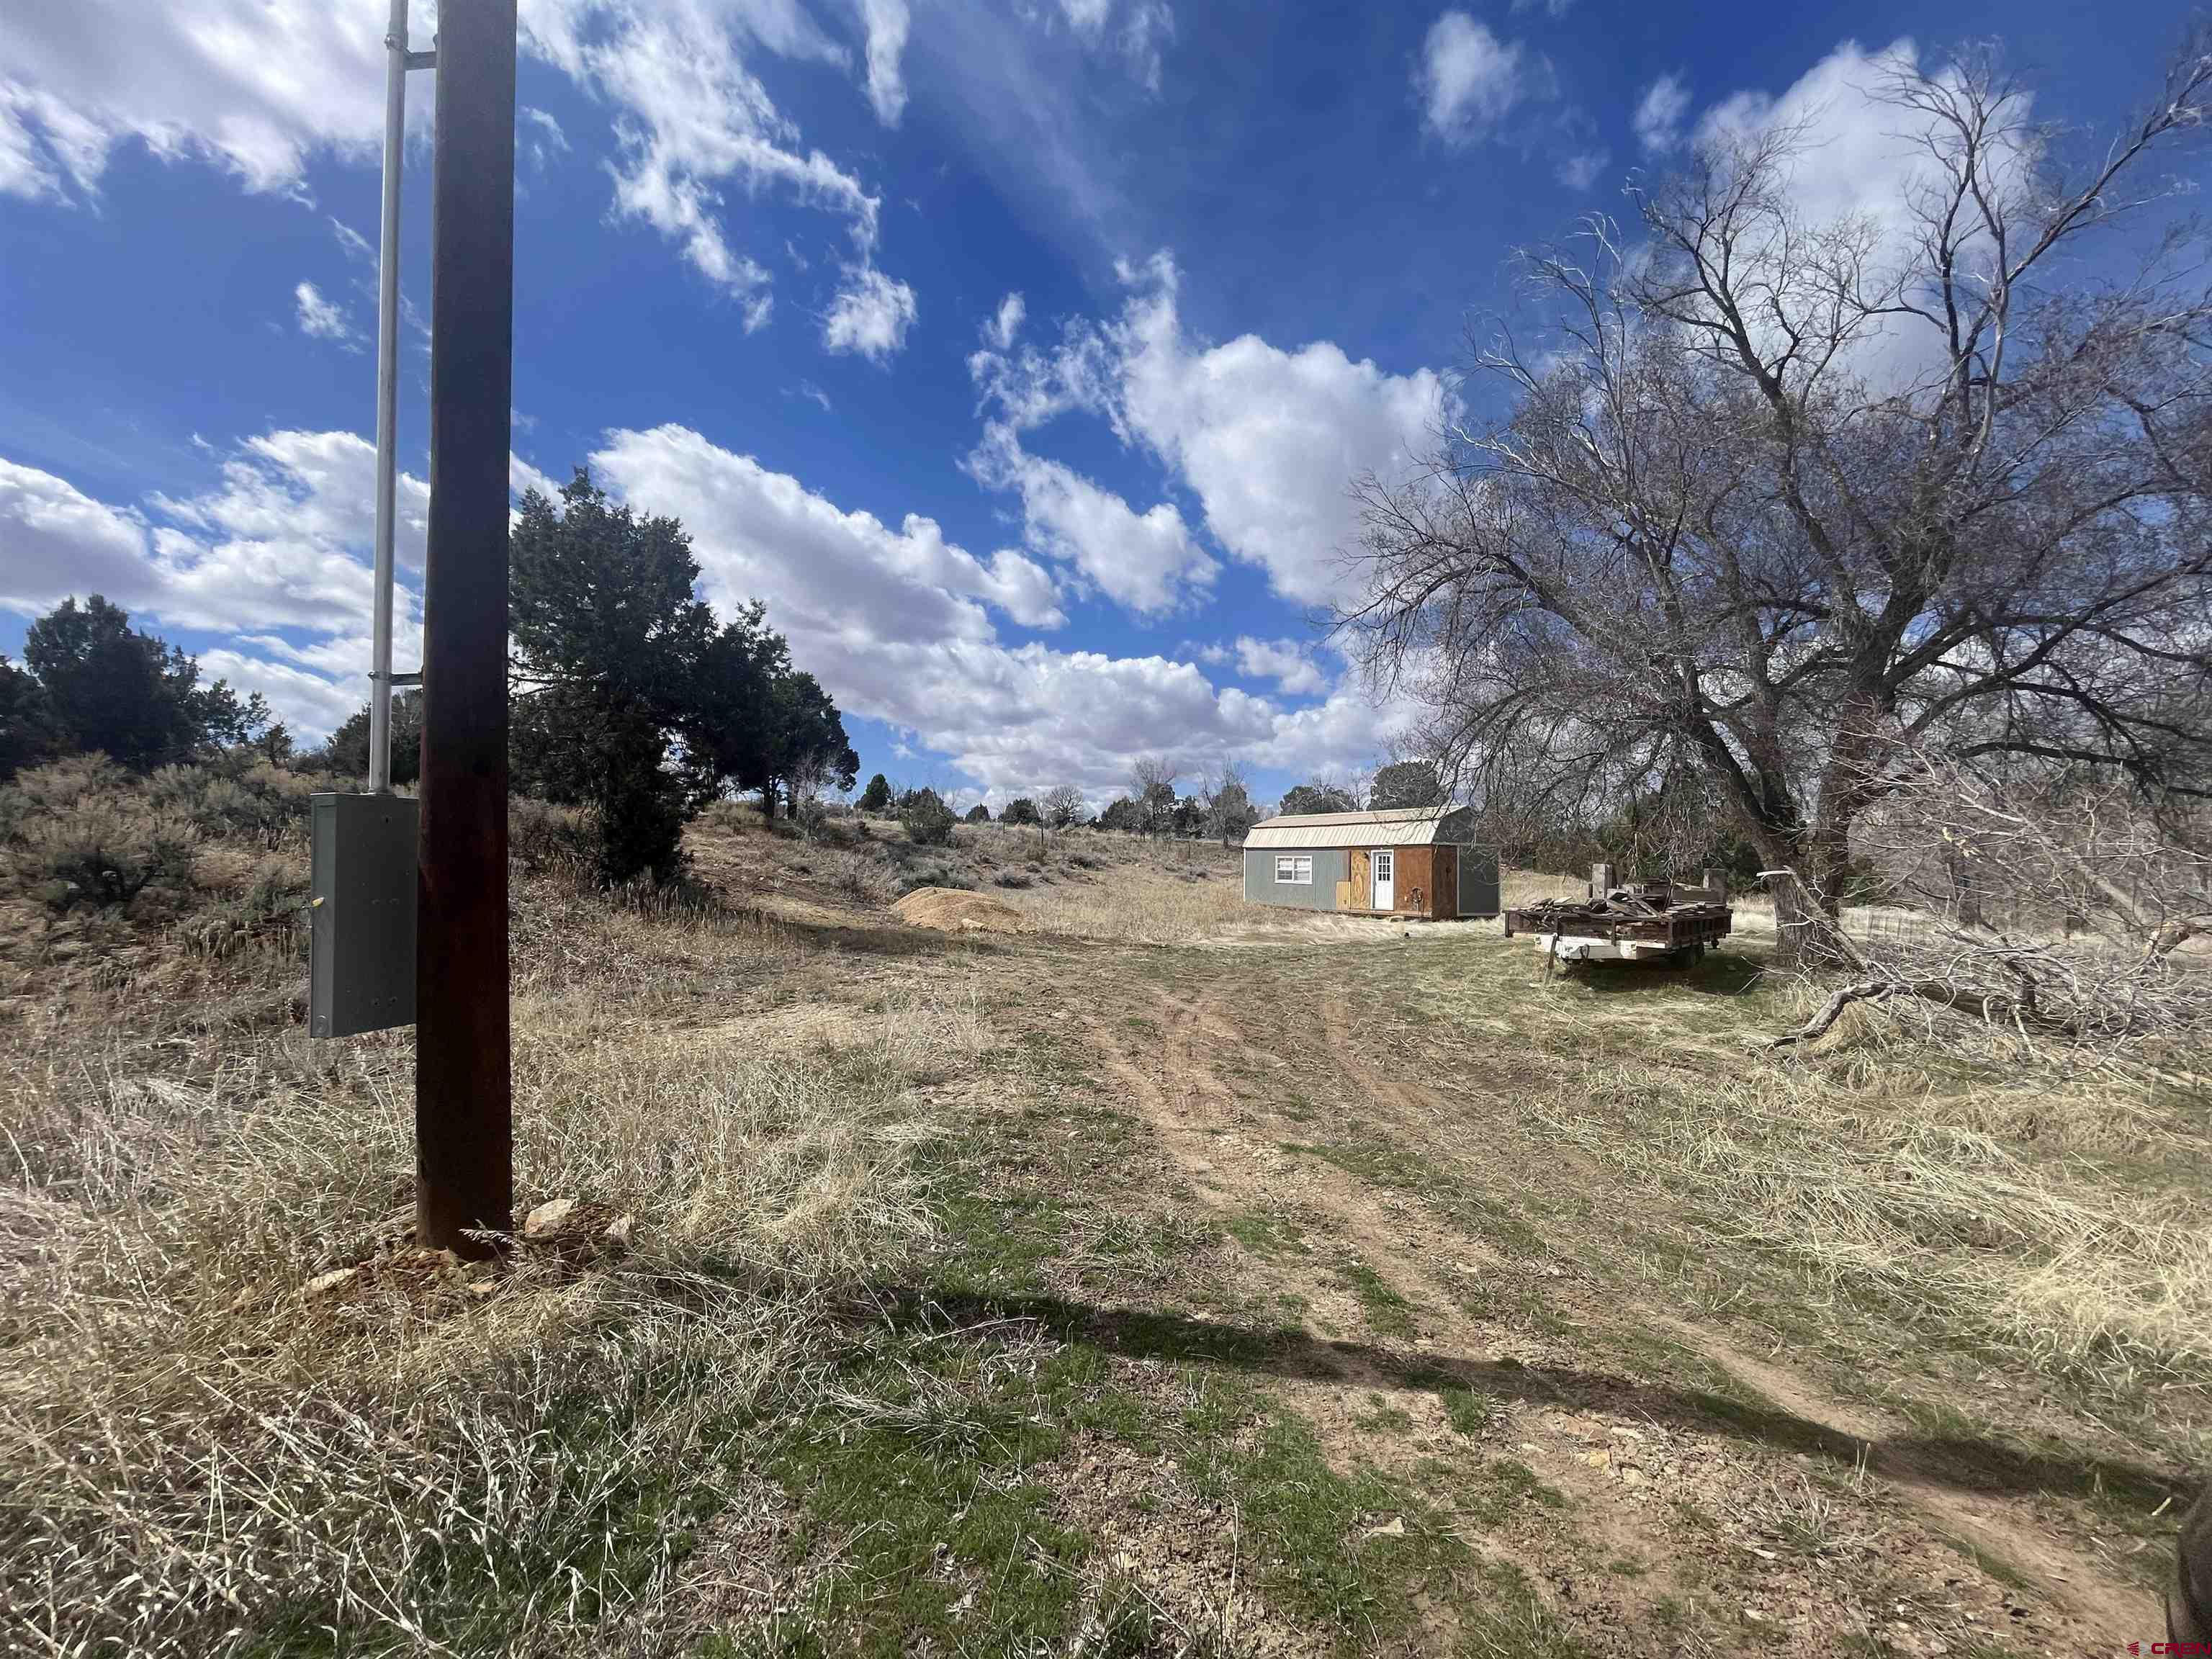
[(1415, 891), (1363, 880), (1447, 902)]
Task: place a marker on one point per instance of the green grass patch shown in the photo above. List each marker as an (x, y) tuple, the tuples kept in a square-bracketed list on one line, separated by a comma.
[(996, 1243), (1384, 1418), (1308, 1526), (1265, 1234), (1497, 1221), (1502, 1483), (950, 1547), (1468, 1413), (926, 1497), (1369, 1160), (1388, 1312)]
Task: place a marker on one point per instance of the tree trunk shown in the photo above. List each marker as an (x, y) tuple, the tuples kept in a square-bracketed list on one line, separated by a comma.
[(1809, 902), (767, 800), (1966, 894)]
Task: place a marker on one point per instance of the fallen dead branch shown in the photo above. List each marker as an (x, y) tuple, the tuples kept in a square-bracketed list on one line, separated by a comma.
[(2056, 907)]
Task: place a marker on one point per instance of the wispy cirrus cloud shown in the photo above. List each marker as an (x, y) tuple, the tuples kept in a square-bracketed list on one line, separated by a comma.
[(323, 319)]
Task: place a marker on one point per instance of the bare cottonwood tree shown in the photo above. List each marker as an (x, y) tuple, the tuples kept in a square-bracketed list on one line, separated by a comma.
[(1782, 502), (1063, 805), (1226, 796), (1151, 787)]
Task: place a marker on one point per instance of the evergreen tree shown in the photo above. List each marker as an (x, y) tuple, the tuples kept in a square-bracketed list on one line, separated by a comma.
[(876, 797), (1317, 797), (609, 642), (1122, 813), (347, 751), (807, 749), (759, 723), (927, 820), (26, 724), (129, 695)]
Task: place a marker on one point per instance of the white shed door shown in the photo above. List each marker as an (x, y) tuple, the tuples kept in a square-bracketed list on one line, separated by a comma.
[(1386, 883)]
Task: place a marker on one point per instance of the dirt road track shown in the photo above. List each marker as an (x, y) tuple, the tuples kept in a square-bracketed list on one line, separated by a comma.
[(1799, 1515)]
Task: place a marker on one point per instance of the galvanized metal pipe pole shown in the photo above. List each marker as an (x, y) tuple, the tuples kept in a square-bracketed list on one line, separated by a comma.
[(387, 397), (463, 1129)]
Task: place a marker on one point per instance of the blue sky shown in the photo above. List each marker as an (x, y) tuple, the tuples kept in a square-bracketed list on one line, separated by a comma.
[(1019, 355)]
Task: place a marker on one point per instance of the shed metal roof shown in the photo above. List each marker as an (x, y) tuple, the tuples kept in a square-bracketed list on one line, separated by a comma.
[(1412, 826)]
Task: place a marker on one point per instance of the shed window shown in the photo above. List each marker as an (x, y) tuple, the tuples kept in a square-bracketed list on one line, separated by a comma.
[(1294, 869)]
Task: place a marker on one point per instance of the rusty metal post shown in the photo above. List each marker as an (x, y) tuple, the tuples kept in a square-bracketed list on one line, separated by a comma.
[(464, 1127)]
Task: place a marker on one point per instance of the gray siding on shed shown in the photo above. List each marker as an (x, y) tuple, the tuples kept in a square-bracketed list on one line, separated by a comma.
[(1478, 881), (1330, 865)]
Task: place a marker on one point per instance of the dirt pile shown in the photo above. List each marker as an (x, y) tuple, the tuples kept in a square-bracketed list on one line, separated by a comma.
[(950, 911)]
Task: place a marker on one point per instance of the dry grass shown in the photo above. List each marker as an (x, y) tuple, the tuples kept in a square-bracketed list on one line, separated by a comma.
[(1520, 888), (2036, 1215), (2061, 1220), (1895, 1190), (1082, 882), (196, 1455), (1137, 903)]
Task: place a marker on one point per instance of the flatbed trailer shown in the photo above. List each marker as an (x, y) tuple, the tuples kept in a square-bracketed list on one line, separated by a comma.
[(1629, 924)]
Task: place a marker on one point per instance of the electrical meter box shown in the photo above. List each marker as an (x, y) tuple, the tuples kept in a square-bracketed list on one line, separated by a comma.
[(360, 949)]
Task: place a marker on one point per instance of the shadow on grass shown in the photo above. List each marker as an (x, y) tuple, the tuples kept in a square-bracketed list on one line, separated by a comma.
[(1956, 1460), (1718, 975)]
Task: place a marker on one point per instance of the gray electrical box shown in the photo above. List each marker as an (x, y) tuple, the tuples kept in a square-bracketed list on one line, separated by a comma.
[(361, 951)]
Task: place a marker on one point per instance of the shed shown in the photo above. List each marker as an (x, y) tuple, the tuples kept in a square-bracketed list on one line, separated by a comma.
[(1413, 861)]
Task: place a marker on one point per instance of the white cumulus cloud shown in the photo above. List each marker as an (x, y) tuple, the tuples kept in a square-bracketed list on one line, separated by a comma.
[(896, 623), (55, 541), (1283, 661), (870, 316), (280, 541), (824, 569), (308, 702), (1147, 562), (1269, 440), (258, 86), (1468, 79)]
